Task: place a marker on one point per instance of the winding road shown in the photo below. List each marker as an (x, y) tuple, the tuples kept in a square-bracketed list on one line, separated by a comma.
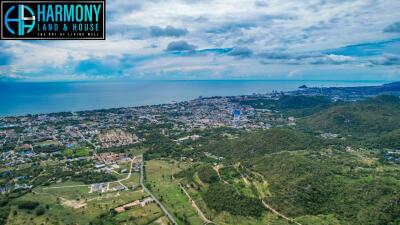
[(194, 205), (274, 211)]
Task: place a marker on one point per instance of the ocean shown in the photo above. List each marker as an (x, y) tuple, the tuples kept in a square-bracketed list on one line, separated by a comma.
[(20, 98)]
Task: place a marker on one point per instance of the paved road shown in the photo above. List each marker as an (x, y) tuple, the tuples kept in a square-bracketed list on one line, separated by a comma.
[(171, 219)]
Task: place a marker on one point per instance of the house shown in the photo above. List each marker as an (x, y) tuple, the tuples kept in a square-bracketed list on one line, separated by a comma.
[(127, 206), (136, 168), (98, 187), (70, 145), (22, 186), (24, 147), (146, 201), (20, 178), (119, 209), (4, 189), (99, 166), (119, 188)]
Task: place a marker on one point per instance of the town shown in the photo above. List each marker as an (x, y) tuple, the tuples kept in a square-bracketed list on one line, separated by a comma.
[(125, 160)]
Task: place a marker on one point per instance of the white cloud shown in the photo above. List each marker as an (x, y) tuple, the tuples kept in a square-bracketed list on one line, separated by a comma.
[(292, 27)]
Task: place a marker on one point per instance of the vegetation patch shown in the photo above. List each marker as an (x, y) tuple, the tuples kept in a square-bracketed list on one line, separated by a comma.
[(298, 106), (78, 152), (322, 184), (371, 116), (257, 144), (207, 174), (28, 205), (222, 197)]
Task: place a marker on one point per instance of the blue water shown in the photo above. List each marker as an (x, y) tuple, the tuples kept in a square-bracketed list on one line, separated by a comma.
[(33, 98)]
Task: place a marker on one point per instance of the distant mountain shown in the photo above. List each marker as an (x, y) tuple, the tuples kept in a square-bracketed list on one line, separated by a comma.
[(303, 86), (394, 86), (390, 88)]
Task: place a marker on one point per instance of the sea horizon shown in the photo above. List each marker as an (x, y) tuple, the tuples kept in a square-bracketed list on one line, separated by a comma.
[(22, 98)]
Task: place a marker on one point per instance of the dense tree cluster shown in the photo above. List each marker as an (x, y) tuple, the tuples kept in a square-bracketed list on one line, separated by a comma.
[(373, 116), (93, 177), (28, 205), (222, 197), (321, 183), (207, 174), (265, 142)]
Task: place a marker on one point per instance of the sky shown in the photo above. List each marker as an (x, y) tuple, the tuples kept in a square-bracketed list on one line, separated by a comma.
[(222, 39)]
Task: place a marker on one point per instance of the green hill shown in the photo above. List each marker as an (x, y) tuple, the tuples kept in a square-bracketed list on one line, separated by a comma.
[(330, 183), (263, 142), (297, 106), (375, 115), (388, 140)]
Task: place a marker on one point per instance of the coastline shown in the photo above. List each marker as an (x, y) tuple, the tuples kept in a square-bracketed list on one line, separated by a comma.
[(45, 98)]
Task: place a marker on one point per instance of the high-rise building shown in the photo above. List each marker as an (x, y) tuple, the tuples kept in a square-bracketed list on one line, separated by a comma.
[(236, 114)]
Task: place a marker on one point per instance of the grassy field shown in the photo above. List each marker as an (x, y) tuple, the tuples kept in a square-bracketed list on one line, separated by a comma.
[(78, 152), (133, 180), (69, 205), (73, 191), (158, 178), (140, 216)]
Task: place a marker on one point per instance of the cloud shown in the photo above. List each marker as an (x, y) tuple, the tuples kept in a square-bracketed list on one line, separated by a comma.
[(137, 32), (260, 3), (313, 58), (108, 66), (332, 59), (9, 78), (241, 52), (133, 32), (214, 51), (5, 55), (387, 60), (393, 28), (308, 37), (5, 58), (168, 31), (230, 27), (117, 8), (368, 49), (278, 55), (180, 46)]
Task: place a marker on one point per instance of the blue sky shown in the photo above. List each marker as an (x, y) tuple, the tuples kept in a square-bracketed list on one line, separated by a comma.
[(221, 39)]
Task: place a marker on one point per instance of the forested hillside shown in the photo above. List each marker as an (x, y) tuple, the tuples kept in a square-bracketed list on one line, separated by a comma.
[(257, 144), (320, 180), (376, 115), (292, 105)]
